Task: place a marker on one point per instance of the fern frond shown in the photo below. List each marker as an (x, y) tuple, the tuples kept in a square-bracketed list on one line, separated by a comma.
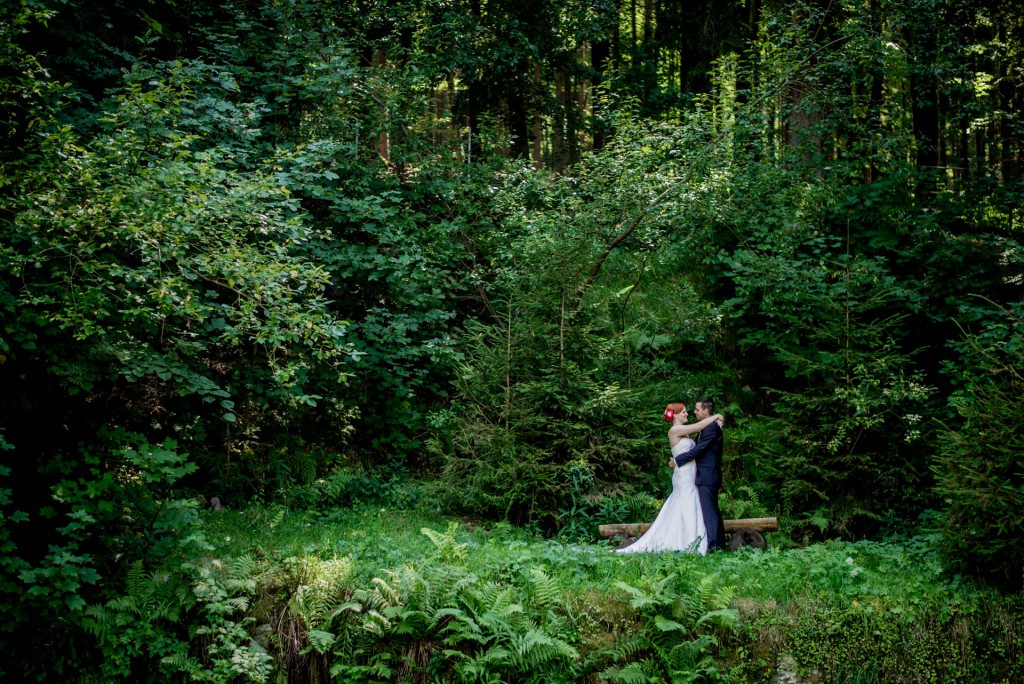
[(687, 608), (348, 606), (688, 658), (448, 550), (724, 617), (641, 506), (666, 625), (124, 604), (631, 674), (238, 603), (409, 621), (375, 623), (639, 599), (137, 582), (98, 622), (379, 666), (320, 640), (498, 598), (181, 662), (464, 582), (547, 591), (242, 566), (723, 596), (495, 654), (460, 627), (494, 626), (627, 647), (535, 648), (388, 594)]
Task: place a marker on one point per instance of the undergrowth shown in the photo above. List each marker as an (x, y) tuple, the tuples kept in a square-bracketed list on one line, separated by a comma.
[(384, 595)]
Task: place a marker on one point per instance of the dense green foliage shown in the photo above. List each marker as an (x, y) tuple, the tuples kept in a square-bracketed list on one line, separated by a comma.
[(978, 468), (298, 252), (374, 595)]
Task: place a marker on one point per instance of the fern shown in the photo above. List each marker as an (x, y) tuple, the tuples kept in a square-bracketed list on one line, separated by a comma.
[(691, 661), (376, 623), (278, 518), (725, 617), (448, 551), (547, 592), (320, 640), (484, 668), (151, 598), (655, 595), (389, 595), (534, 648), (348, 606), (228, 648), (630, 674), (673, 642), (379, 668), (137, 584), (666, 625), (323, 597), (641, 507), (710, 595), (182, 662), (489, 632), (628, 647), (460, 627)]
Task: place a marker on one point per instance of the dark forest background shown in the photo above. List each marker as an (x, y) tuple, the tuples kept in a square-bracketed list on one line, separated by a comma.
[(278, 250)]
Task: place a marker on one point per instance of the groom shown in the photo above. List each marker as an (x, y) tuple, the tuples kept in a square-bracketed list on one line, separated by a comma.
[(708, 455)]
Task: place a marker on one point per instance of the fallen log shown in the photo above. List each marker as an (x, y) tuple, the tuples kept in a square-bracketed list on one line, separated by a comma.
[(637, 529)]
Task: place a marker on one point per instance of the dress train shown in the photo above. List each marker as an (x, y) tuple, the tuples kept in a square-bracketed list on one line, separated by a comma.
[(680, 523)]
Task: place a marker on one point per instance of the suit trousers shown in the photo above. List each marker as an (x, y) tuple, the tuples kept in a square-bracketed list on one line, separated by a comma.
[(712, 517)]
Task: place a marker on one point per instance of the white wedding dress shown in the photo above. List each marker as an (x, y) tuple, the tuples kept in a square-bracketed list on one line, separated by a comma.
[(680, 524)]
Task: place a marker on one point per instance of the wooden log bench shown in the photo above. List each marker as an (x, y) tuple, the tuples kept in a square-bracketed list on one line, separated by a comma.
[(743, 531)]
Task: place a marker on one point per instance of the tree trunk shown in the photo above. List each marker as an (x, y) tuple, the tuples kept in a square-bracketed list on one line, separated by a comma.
[(558, 127), (380, 58), (583, 110), (924, 99), (1007, 141), (602, 55), (649, 52), (538, 157)]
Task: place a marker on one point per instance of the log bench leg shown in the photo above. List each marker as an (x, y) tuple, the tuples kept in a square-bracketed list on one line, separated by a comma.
[(747, 537)]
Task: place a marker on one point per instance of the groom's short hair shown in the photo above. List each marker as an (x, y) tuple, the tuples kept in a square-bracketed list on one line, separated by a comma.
[(707, 403)]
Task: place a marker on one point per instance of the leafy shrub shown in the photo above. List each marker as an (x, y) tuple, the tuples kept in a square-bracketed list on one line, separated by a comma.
[(127, 513), (978, 470), (356, 487)]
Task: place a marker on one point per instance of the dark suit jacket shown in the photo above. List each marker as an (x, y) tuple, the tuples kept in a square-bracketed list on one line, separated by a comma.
[(708, 455)]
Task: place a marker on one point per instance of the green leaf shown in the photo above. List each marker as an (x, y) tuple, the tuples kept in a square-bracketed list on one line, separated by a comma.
[(666, 625)]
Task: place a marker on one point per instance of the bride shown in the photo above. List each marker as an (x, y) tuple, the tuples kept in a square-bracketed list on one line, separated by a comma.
[(680, 524)]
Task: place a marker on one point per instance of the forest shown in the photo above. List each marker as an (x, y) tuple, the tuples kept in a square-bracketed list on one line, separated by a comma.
[(331, 331)]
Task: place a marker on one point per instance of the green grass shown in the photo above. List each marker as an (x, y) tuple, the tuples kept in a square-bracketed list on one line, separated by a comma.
[(376, 539), (846, 611), (372, 538)]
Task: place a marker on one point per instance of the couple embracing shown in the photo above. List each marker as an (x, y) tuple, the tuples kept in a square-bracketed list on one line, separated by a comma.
[(689, 520)]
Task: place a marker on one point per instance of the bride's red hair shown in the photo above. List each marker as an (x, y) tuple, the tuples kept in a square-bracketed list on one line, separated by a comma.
[(672, 409)]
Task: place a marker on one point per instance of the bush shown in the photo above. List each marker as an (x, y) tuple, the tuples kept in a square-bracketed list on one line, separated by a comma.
[(978, 471)]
